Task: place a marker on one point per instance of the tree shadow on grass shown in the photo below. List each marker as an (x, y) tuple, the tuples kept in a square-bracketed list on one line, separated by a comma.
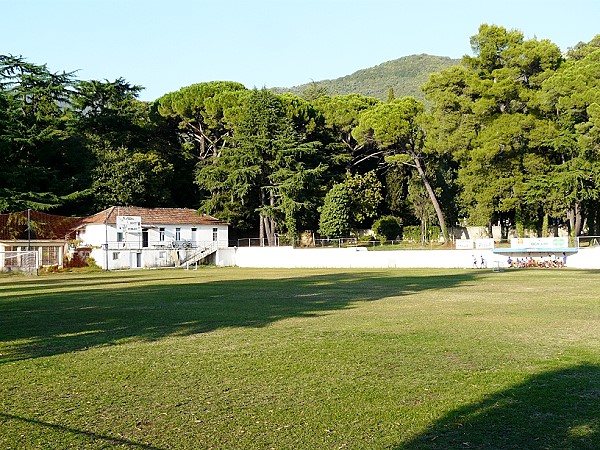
[(553, 410), (90, 282), (35, 324), (107, 441)]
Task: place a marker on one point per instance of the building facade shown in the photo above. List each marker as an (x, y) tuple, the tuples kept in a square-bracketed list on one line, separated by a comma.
[(133, 237)]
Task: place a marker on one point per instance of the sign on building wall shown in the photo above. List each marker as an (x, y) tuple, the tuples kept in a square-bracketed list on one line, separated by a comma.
[(129, 224)]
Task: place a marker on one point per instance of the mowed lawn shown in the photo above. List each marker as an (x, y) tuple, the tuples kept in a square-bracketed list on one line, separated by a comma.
[(235, 358)]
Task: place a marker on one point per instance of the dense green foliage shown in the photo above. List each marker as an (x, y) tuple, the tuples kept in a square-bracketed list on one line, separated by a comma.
[(509, 136), (350, 204), (388, 228), (516, 118), (267, 167), (77, 146), (335, 220)]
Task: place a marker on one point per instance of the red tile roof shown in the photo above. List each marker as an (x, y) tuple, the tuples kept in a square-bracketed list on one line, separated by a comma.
[(43, 226), (153, 216)]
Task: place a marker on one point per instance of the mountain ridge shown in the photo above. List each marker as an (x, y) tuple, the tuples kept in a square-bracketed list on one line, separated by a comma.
[(404, 75)]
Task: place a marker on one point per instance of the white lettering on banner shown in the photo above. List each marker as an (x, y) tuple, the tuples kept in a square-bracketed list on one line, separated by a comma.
[(129, 224), (464, 244), (550, 242)]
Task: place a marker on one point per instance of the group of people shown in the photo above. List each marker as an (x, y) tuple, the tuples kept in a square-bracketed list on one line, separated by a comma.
[(479, 264), (550, 261)]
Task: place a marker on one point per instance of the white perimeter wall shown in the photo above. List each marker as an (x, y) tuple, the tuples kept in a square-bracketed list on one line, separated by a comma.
[(289, 257)]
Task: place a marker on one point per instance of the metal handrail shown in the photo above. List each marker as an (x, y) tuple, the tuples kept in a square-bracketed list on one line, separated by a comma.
[(202, 253)]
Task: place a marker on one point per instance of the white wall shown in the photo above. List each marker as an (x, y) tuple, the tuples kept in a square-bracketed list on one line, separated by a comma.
[(226, 257), (585, 258), (359, 257), (129, 259), (288, 257)]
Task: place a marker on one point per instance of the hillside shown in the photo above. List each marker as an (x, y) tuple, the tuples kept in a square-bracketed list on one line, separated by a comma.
[(405, 75)]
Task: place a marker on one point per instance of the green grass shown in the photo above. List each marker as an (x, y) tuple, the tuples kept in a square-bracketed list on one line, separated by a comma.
[(314, 359)]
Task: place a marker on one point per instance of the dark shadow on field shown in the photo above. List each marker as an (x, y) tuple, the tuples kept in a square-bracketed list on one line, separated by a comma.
[(554, 410), (105, 441), (106, 310), (98, 280)]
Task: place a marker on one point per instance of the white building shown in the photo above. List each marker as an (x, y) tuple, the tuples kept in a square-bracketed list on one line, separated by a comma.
[(131, 237)]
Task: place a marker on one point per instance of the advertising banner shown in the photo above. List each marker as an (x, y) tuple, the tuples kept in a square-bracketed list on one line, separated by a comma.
[(484, 244), (464, 244), (545, 243)]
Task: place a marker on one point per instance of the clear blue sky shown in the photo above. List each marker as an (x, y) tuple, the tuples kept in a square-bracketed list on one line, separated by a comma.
[(164, 45)]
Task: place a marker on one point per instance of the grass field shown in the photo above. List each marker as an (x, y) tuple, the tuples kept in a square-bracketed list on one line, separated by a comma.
[(314, 359)]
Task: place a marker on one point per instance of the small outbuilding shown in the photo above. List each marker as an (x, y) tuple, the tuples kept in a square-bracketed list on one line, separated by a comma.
[(32, 239)]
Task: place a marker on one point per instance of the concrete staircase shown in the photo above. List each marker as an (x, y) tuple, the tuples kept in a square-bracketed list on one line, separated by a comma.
[(199, 254)]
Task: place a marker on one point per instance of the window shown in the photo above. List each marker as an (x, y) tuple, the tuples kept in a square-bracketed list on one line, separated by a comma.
[(162, 255), (215, 234), (177, 234), (115, 255), (119, 236), (50, 256), (161, 234), (194, 230)]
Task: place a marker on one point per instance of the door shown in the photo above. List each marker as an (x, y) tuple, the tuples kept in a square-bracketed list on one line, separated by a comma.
[(136, 260)]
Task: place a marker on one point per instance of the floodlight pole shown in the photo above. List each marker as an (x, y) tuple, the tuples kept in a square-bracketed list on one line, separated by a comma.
[(28, 229), (106, 244), (106, 238)]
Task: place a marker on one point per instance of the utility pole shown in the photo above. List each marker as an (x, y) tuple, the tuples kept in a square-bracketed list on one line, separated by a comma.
[(28, 229)]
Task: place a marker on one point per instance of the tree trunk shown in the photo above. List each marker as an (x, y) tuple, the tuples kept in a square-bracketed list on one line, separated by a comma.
[(575, 219), (267, 224), (578, 220), (273, 240), (261, 220), (268, 230), (520, 227), (545, 222), (594, 220), (433, 198), (270, 222), (202, 147), (261, 230)]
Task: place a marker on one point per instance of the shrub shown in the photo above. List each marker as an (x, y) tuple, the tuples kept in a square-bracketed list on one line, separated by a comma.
[(433, 233), (388, 228), (334, 221), (91, 262), (411, 233), (75, 261)]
